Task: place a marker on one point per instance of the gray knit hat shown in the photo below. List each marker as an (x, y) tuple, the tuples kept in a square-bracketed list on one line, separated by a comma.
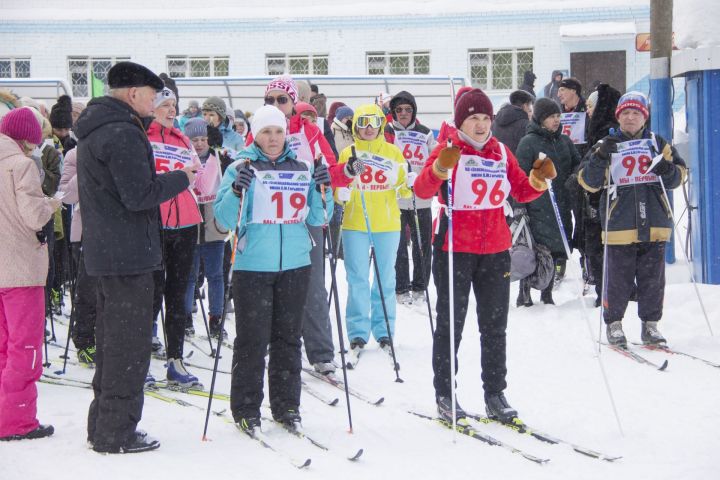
[(196, 127), (217, 105)]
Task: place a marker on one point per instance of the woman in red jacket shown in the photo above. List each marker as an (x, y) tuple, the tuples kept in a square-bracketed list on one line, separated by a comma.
[(180, 217), (484, 173)]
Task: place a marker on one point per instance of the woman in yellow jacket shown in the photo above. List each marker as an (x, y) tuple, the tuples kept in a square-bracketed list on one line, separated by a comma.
[(379, 175)]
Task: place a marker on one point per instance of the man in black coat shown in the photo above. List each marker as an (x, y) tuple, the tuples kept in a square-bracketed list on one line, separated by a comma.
[(529, 82), (511, 121), (120, 194)]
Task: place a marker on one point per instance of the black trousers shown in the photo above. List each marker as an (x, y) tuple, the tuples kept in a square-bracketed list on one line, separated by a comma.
[(402, 268), (268, 311), (642, 262), (85, 300), (594, 253), (172, 283), (489, 276), (123, 332)]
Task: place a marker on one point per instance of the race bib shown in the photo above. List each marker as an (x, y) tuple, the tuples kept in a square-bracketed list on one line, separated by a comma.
[(280, 197), (299, 145), (171, 157), (480, 183), (631, 164), (380, 173), (413, 146), (573, 125)]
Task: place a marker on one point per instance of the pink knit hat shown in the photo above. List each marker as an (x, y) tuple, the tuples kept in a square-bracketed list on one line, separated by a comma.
[(286, 84), (20, 124)]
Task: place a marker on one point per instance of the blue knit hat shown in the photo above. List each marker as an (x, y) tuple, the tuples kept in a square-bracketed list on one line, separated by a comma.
[(196, 127), (343, 112), (636, 100)]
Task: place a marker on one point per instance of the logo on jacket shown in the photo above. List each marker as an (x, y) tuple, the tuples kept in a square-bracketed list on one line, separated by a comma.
[(285, 175), (471, 162), (268, 176), (302, 178)]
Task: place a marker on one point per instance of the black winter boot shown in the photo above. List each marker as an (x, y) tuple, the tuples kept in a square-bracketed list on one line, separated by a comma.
[(498, 408)]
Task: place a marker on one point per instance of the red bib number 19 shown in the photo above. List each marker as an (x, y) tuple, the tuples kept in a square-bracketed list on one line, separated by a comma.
[(480, 188), (296, 201)]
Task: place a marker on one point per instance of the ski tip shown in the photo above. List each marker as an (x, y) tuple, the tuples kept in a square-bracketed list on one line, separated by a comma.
[(305, 464), (357, 456), (379, 401), (663, 366), (334, 402)]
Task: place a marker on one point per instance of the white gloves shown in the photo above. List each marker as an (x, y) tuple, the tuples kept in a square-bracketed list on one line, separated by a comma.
[(343, 194)]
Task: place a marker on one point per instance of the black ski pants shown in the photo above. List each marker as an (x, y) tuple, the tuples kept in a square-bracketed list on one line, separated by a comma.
[(402, 268), (268, 311), (642, 262), (84, 301), (489, 276), (124, 333), (594, 253), (172, 283)]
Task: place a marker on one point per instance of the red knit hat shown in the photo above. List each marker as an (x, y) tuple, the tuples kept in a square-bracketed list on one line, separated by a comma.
[(20, 124), (470, 103)]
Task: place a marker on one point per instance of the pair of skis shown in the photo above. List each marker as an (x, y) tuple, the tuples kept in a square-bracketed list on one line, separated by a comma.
[(633, 355)]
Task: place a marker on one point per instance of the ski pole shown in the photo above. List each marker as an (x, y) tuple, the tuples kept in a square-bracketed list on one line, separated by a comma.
[(687, 260), (224, 314), (71, 324), (451, 280), (205, 320), (334, 292), (553, 201), (425, 278), (373, 259)]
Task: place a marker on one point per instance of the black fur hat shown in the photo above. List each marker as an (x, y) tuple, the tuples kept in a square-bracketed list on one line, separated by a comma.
[(603, 117), (129, 74), (61, 113), (543, 108)]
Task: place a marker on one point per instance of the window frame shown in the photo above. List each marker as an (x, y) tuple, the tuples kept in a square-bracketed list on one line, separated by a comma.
[(286, 59), (412, 57), (90, 61), (489, 81), (213, 70), (13, 60)]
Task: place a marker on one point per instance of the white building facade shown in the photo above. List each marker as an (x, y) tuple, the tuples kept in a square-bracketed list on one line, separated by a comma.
[(490, 46)]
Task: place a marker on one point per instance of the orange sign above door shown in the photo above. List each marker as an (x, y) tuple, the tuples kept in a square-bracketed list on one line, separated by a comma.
[(642, 42)]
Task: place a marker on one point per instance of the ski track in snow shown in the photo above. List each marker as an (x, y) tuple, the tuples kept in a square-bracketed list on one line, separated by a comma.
[(670, 418)]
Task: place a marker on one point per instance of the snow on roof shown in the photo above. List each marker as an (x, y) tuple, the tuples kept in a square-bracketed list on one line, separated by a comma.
[(695, 23), (597, 28), (37, 10)]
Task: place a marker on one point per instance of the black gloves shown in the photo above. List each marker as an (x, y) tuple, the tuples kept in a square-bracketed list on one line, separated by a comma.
[(243, 179), (354, 165), (663, 167), (321, 175), (215, 138), (608, 146)]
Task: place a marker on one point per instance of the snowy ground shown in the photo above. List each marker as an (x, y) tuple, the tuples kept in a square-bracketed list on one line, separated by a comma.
[(670, 419)]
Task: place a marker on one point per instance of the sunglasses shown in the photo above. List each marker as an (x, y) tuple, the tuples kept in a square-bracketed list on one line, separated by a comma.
[(366, 121), (281, 100), (404, 109)]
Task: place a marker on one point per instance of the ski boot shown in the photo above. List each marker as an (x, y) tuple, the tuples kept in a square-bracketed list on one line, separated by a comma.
[(138, 442), (324, 368), (248, 425), (289, 418), (498, 408), (149, 381), (178, 375), (418, 296), (615, 334), (41, 431), (404, 298), (86, 356), (546, 296), (650, 334), (214, 326), (158, 351), (356, 347), (524, 298), (444, 408)]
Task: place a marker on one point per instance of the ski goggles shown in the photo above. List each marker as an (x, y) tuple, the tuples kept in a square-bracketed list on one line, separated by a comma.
[(281, 100), (365, 121)]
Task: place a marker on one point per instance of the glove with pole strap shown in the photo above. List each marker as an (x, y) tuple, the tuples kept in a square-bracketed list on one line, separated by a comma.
[(321, 175), (446, 161), (354, 166), (244, 178), (665, 165)]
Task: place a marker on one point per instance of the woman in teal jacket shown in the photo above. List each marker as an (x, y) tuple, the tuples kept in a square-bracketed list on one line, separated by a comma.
[(277, 194)]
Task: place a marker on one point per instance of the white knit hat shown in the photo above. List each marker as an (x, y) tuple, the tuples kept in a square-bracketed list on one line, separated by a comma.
[(267, 116)]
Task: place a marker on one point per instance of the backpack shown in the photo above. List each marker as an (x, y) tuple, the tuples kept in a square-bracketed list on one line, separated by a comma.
[(522, 256)]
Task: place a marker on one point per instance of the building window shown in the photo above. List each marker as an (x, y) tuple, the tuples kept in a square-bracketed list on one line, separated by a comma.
[(499, 69), (184, 66), (398, 63), (88, 75), (14, 68), (282, 64)]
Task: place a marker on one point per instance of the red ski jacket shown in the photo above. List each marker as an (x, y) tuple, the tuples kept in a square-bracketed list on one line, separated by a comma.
[(475, 231)]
